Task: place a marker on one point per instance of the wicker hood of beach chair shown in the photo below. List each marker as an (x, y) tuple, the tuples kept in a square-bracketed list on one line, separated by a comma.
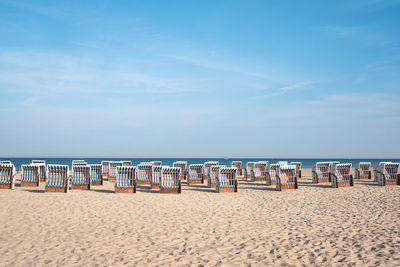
[(170, 181), (57, 178)]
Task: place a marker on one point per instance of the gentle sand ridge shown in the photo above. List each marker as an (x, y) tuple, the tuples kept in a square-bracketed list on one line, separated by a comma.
[(314, 225)]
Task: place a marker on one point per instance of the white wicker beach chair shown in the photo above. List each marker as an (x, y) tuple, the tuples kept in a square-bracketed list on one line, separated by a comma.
[(57, 178), (341, 175), (286, 177), (238, 166), (170, 181), (362, 171), (143, 173), (105, 165), (80, 177), (249, 168), (206, 168), (96, 174), (112, 170), (42, 168), (7, 175), (30, 175), (195, 174), (321, 172), (298, 167), (388, 174), (125, 180), (213, 175), (155, 176), (271, 173), (259, 171), (226, 180), (183, 166)]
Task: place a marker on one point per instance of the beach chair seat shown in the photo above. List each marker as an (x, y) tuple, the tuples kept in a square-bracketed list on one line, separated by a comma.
[(7, 175), (259, 172), (155, 176), (112, 170), (96, 174), (195, 175), (143, 173), (213, 175), (80, 177), (183, 166), (206, 168), (286, 177), (388, 174), (363, 171), (170, 180), (125, 180), (321, 172), (105, 166), (238, 166), (30, 175), (341, 175), (226, 180), (57, 178), (298, 168), (271, 173)]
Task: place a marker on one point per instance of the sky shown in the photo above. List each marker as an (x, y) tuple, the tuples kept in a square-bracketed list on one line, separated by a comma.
[(200, 78)]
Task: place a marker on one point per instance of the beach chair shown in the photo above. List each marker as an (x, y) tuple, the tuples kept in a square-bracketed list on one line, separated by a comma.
[(341, 175), (238, 166), (282, 163), (143, 173), (213, 174), (298, 168), (286, 177), (271, 172), (362, 171), (112, 170), (388, 174), (80, 177), (127, 163), (379, 168), (226, 180), (157, 163), (155, 176), (7, 175), (30, 175), (170, 180), (42, 168), (78, 162), (206, 168), (105, 165), (258, 174), (195, 175), (125, 180), (182, 165), (96, 174), (321, 172), (57, 178), (249, 168)]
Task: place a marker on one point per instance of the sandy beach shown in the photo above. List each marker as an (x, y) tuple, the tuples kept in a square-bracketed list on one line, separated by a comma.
[(314, 225)]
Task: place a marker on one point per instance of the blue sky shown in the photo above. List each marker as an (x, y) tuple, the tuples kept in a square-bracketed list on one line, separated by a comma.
[(200, 78)]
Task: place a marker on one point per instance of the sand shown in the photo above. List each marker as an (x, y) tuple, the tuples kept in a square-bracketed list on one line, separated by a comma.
[(314, 225)]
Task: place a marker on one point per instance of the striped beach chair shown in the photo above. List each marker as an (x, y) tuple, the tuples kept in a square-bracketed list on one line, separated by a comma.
[(170, 181), (286, 177), (363, 171), (195, 175), (105, 165), (80, 177), (238, 166), (271, 173), (30, 175), (259, 172), (125, 181), (96, 174), (57, 178), (206, 168), (42, 168), (249, 168), (321, 172), (143, 173), (112, 170), (226, 180), (7, 175), (298, 167), (182, 165), (126, 163), (155, 176), (341, 175), (379, 168), (157, 163), (213, 175), (388, 174)]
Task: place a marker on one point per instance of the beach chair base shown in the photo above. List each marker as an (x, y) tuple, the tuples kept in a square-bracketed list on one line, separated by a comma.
[(344, 184), (155, 186), (259, 179), (5, 186), (391, 182), (226, 189), (111, 178), (195, 181), (143, 182), (364, 177), (170, 190), (29, 184), (56, 189), (323, 180), (211, 185), (286, 187), (97, 182), (80, 186), (130, 190)]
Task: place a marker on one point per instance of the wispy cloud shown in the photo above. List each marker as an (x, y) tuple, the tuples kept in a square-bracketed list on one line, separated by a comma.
[(298, 85)]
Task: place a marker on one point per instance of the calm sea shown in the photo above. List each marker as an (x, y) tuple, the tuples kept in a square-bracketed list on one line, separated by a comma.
[(307, 163)]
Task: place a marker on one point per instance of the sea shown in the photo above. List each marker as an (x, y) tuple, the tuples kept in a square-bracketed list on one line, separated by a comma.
[(306, 162)]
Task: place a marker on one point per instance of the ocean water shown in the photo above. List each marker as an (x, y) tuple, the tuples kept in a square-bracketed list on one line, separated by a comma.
[(306, 163)]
